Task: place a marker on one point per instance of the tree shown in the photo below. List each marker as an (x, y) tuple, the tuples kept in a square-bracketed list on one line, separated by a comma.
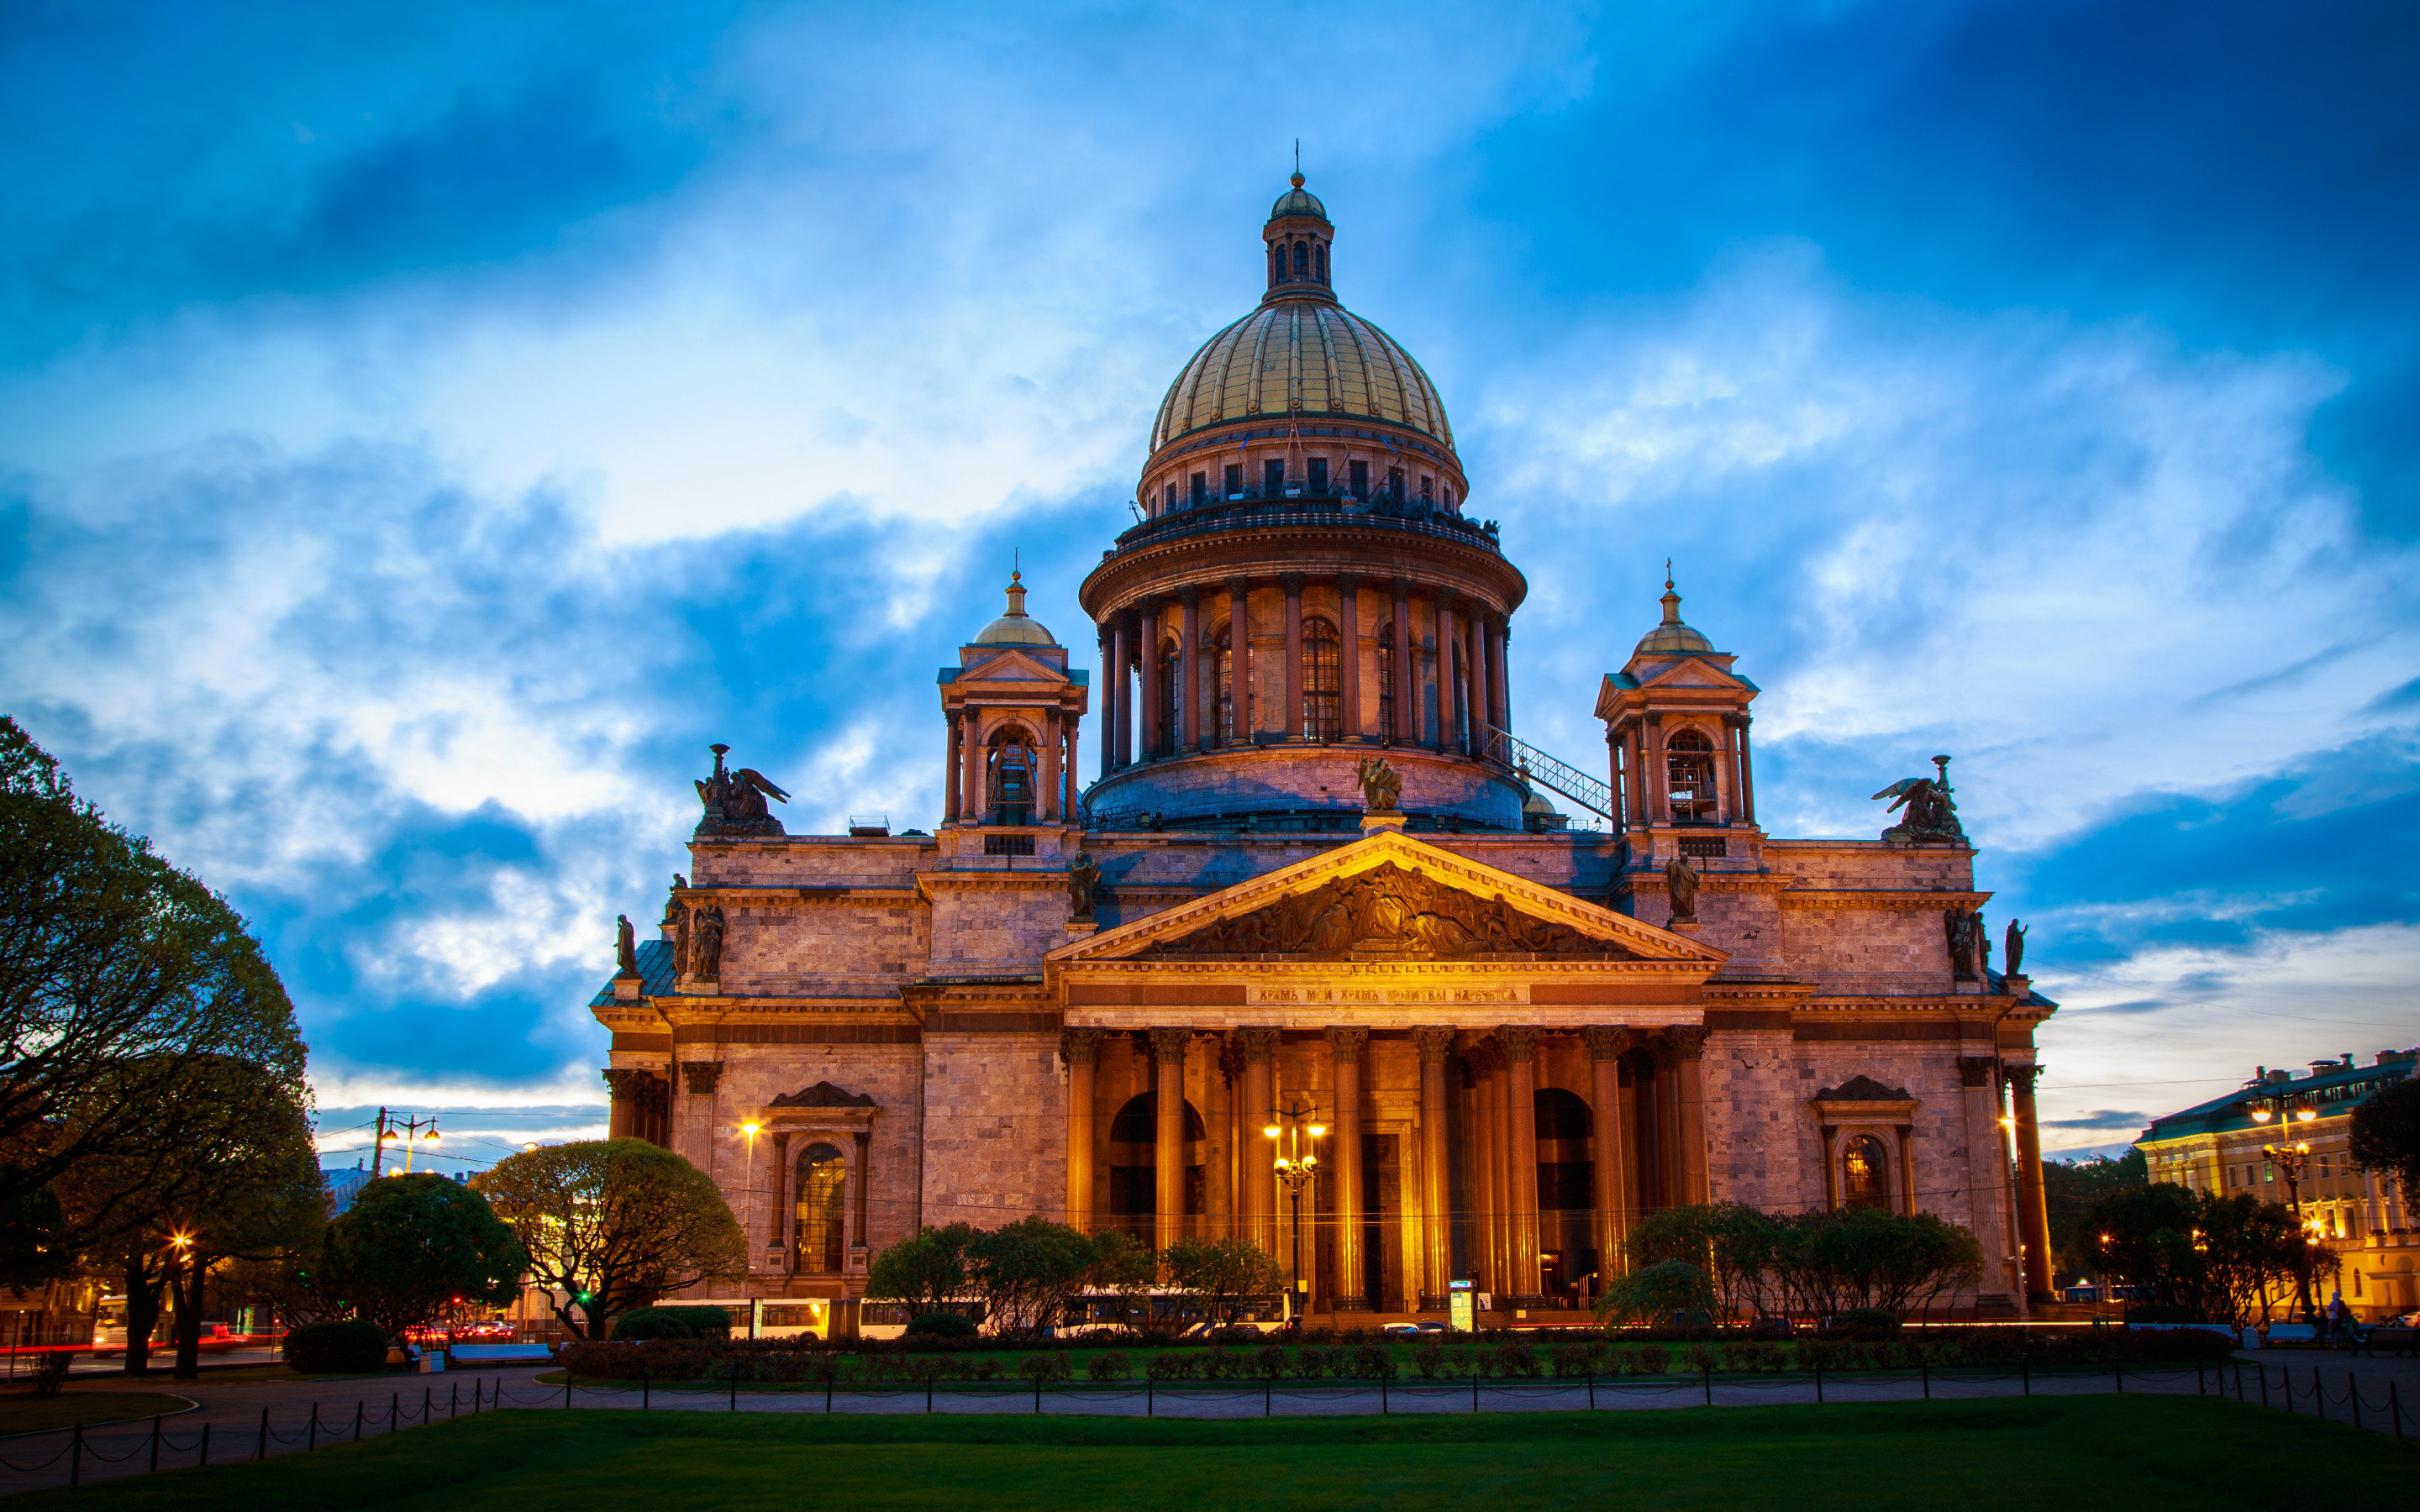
[(613, 1225), (2071, 1188), (1731, 1244), (243, 1185), (118, 975), (2386, 1135), (1850, 1259), (2219, 1258), (1221, 1275), (927, 1269), (410, 1247), (1029, 1271), (1654, 1293)]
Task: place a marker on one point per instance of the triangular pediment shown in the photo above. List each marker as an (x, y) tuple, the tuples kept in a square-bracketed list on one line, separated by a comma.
[(1011, 667), (1688, 674), (1388, 897)]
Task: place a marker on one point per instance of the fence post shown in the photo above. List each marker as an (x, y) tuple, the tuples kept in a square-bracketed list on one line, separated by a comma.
[(928, 1391), (566, 1388), (427, 1402), (262, 1451), (75, 1458), (1591, 1391), (206, 1444), (1924, 1369), (395, 1412), (1037, 1394), (1818, 1382), (2239, 1380), (2199, 1388), (646, 1392), (1474, 1386), (1709, 1384), (360, 1411), (2352, 1395), (2025, 1374), (2319, 1393), (313, 1442), (2394, 1408), (2117, 1371), (478, 1396), (830, 1376), (1149, 1406), (1267, 1391), (2260, 1368), (454, 1400), (1382, 1395), (735, 1386), (155, 1441)]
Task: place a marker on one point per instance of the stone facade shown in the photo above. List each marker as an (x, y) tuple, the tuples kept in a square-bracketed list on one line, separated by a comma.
[(1520, 1036)]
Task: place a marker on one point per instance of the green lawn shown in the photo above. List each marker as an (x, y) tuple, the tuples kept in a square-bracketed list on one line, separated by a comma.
[(25, 1413), (2119, 1453)]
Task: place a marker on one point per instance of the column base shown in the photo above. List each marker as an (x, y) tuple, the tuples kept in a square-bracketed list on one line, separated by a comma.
[(1372, 822)]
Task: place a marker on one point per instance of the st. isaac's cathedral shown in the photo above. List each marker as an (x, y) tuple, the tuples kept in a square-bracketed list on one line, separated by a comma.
[(1318, 879)]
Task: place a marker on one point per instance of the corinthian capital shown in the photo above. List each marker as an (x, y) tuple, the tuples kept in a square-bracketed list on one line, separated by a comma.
[(1606, 1042), (1345, 1044), (1167, 1046), (1520, 1043), (1434, 1043), (1079, 1048)]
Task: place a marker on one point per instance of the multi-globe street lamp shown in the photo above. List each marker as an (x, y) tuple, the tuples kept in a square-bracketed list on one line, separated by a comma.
[(1297, 1136), (2291, 1161)]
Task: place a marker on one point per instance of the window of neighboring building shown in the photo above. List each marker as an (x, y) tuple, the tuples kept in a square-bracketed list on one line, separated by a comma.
[(1318, 475), (1865, 1173), (1273, 479), (1321, 685), (823, 1182)]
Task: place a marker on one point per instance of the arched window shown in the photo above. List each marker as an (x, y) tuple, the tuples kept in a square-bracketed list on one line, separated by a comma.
[(1865, 1173), (1321, 685), (1013, 776), (1386, 683), (1319, 256), (823, 1185), (1134, 1149), (1301, 260), (1690, 757), (1228, 713), (1277, 262), (1172, 675)]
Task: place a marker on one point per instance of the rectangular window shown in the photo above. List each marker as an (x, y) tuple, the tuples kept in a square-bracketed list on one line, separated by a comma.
[(1428, 488), (1200, 488), (1361, 473), (1395, 483), (2267, 1172), (1234, 480), (1170, 502), (1272, 480), (1318, 475)]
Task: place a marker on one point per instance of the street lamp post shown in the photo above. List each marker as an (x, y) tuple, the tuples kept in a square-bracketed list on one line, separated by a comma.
[(2291, 1161), (751, 1128), (1296, 1138)]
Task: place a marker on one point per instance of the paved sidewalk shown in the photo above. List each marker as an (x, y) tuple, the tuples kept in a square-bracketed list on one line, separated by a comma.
[(233, 1411)]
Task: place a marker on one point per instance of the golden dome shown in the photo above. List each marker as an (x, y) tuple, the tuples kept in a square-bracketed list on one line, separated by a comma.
[(1671, 638), (1306, 357), (1015, 627)]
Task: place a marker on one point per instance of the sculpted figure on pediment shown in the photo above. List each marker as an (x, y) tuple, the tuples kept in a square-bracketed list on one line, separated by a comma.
[(1388, 911)]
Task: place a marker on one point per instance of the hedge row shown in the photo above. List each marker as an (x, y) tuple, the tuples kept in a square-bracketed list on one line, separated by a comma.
[(1367, 1359)]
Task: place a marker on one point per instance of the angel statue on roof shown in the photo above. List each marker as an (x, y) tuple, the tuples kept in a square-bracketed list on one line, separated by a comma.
[(1931, 817), (734, 800)]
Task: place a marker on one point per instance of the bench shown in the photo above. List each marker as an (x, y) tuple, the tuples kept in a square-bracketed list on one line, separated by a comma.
[(2399, 1340), (2292, 1334), (478, 1354)]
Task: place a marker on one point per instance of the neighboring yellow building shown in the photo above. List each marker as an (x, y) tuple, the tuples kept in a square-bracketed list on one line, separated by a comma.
[(2219, 1147)]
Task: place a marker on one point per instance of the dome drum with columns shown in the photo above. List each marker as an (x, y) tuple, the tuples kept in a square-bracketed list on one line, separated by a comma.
[(1084, 1003), (1304, 588)]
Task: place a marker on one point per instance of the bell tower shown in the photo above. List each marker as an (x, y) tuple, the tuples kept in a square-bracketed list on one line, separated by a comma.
[(1012, 708), (1676, 723)]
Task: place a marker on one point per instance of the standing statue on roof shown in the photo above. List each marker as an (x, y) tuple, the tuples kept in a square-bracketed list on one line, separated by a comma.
[(734, 800), (626, 946), (2014, 950)]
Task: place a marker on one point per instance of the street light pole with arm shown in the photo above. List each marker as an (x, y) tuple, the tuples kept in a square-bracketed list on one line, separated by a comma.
[(1296, 1138)]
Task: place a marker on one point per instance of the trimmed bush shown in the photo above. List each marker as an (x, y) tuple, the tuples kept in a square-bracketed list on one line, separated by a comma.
[(943, 1326), (652, 1323), (1867, 1325), (704, 1322), (345, 1348), (1112, 1365)]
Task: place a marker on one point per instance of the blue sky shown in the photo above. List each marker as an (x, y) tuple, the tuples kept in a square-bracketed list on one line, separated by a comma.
[(423, 431)]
